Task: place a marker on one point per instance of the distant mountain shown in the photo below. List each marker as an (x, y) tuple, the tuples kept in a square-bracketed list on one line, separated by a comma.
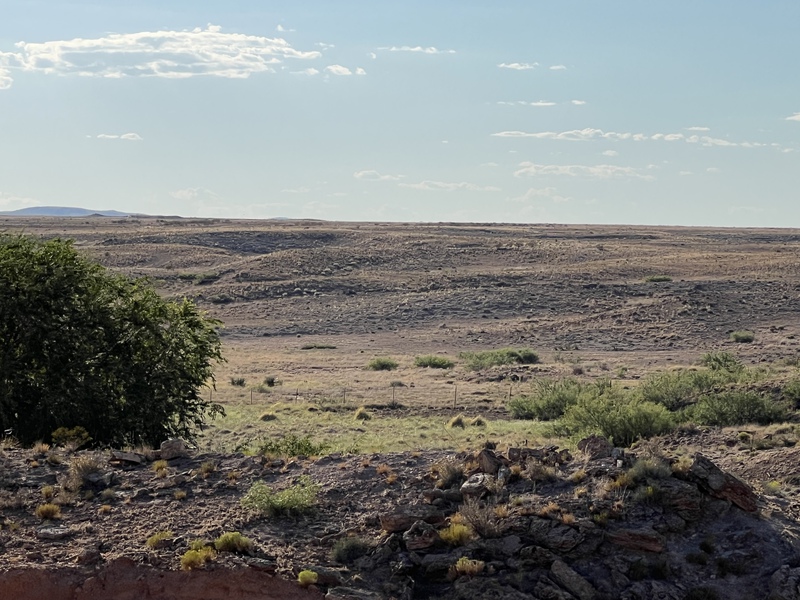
[(62, 211)]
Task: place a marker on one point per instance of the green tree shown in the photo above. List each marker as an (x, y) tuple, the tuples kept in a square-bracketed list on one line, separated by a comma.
[(81, 346)]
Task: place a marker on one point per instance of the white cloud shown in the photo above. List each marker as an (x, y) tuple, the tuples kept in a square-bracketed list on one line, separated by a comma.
[(170, 54), (5, 76), (490, 164), (713, 170), (375, 176), (360, 71), (420, 49), (194, 193), (684, 173), (579, 102), (698, 128), (300, 190), (534, 194), (530, 169), (10, 202), (516, 66), (582, 135), (338, 70), (430, 186), (311, 71), (325, 46), (524, 103), (610, 153), (372, 55), (794, 117), (282, 29), (558, 68), (131, 137)]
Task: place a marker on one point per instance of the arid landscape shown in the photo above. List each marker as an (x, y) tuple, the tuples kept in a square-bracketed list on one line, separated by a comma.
[(440, 482)]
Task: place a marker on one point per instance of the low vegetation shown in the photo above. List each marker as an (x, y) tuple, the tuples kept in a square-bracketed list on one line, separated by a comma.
[(233, 541), (433, 361), (476, 361), (294, 500), (382, 363)]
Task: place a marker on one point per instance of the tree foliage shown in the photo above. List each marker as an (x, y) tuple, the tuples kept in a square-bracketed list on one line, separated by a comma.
[(81, 346)]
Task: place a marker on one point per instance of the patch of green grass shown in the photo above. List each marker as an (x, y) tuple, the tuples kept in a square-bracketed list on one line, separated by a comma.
[(657, 278), (433, 361), (742, 337), (155, 540), (476, 361), (382, 363), (233, 541), (296, 499), (317, 347), (547, 401), (292, 445)]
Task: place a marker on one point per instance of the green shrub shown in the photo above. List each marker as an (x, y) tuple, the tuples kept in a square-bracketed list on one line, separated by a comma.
[(503, 356), (382, 363), (737, 407), (457, 421), (657, 278), (233, 541), (620, 417), (307, 578), (48, 511), (238, 381), (456, 534), (434, 362), (676, 390), (348, 549), (742, 337), (650, 468), (157, 539), (362, 414), (317, 347), (197, 559), (548, 401), (292, 445), (297, 499), (722, 361), (75, 438)]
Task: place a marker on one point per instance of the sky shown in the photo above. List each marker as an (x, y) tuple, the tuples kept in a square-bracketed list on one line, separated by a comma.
[(560, 111)]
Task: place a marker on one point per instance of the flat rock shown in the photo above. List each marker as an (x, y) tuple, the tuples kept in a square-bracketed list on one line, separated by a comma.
[(570, 580), (640, 540), (719, 484)]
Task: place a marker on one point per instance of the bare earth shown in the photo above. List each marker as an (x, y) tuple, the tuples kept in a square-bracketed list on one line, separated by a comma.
[(578, 295)]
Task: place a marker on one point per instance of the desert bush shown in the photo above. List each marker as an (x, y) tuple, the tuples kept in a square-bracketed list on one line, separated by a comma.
[(676, 390), (307, 578), (207, 467), (348, 549), (296, 499), (722, 361), (48, 511), (72, 438), (623, 418), (238, 381), (457, 421), (292, 445), (233, 541), (502, 356), (478, 421), (650, 468), (657, 278), (157, 539), (450, 473), (382, 363), (48, 491), (362, 414), (548, 401), (481, 518), (456, 534), (469, 567), (317, 347), (197, 559), (737, 407), (80, 468), (434, 362), (742, 337)]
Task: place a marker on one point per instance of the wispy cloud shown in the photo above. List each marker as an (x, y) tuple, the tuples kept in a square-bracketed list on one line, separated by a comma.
[(610, 153), (794, 117), (536, 194), (170, 54), (578, 102), (558, 68), (524, 103), (530, 169), (131, 137), (375, 176), (299, 190), (325, 46), (582, 135), (517, 66), (419, 49), (194, 193), (12, 202), (695, 128), (430, 186), (310, 71), (282, 29), (338, 70)]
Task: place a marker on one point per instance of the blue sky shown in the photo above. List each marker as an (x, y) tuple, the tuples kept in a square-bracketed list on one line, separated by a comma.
[(672, 113)]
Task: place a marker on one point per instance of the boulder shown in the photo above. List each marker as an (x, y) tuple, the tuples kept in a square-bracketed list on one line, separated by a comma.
[(477, 485), (420, 535), (489, 462), (595, 447), (174, 448), (640, 540), (403, 520), (719, 484), (576, 584)]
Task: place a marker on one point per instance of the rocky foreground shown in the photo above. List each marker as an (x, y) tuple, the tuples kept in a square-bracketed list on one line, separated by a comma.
[(510, 523)]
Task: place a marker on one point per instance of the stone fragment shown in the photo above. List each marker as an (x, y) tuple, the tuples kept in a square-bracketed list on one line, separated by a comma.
[(785, 584), (53, 533), (174, 448), (346, 593), (719, 484), (489, 462), (403, 520), (477, 485), (126, 457), (576, 584), (595, 447), (640, 540), (421, 535)]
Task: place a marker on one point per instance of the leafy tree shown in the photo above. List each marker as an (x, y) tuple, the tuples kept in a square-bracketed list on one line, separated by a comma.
[(81, 346)]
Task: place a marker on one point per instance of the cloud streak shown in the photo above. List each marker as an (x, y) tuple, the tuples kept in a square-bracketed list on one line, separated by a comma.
[(168, 54), (375, 176), (529, 169), (582, 135), (794, 117), (431, 186), (417, 49), (517, 66), (131, 137)]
